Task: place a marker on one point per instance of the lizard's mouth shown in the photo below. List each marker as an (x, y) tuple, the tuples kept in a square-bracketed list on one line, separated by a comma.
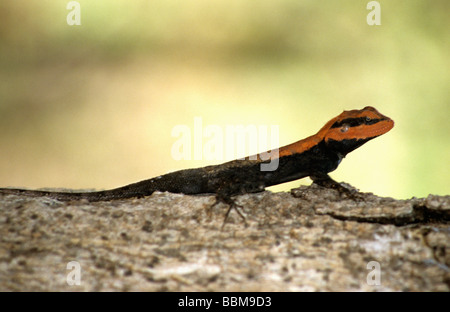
[(377, 129)]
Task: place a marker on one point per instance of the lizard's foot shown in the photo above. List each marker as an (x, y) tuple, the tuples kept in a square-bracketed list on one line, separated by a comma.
[(328, 182), (231, 205)]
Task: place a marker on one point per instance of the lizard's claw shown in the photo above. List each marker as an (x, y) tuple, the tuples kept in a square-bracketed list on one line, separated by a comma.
[(231, 205), (326, 181), (237, 208)]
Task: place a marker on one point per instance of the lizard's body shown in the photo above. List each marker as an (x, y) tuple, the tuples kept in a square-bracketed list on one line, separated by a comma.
[(314, 156)]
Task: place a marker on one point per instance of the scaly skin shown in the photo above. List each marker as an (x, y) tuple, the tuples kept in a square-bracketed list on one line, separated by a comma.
[(312, 157)]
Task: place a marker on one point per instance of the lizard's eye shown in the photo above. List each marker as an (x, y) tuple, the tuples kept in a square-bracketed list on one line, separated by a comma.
[(345, 128), (368, 118)]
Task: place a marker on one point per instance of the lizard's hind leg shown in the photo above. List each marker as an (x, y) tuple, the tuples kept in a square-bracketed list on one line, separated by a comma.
[(222, 198)]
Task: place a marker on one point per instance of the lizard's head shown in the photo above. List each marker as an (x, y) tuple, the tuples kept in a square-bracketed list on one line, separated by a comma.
[(353, 128)]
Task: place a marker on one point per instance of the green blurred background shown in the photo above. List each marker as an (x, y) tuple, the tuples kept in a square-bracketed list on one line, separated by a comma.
[(93, 106)]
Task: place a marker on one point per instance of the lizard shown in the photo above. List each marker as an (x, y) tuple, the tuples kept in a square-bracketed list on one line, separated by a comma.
[(314, 157)]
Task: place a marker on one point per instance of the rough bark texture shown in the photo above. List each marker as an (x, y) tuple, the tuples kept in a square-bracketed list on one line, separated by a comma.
[(311, 239)]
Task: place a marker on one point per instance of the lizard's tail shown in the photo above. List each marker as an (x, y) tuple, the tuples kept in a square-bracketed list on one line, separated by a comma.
[(124, 192), (188, 181)]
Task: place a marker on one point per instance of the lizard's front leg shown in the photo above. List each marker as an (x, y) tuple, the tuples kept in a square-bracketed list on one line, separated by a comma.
[(325, 180)]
